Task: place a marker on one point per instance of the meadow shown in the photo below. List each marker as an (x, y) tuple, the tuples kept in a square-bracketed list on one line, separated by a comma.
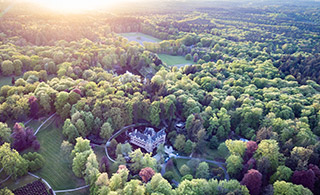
[(171, 60), (139, 37)]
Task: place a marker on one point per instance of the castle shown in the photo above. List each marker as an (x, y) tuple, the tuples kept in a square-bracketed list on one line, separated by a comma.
[(149, 139)]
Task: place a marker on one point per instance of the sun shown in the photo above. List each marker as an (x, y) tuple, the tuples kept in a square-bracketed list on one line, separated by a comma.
[(75, 5)]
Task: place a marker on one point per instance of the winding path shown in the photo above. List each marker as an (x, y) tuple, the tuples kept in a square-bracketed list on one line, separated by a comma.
[(35, 133), (71, 190), (43, 181)]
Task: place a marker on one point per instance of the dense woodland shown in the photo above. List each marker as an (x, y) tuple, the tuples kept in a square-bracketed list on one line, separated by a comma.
[(255, 76)]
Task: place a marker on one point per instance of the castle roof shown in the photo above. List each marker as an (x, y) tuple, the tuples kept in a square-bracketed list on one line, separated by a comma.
[(148, 132)]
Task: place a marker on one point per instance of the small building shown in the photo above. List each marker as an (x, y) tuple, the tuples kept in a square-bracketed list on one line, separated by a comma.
[(149, 139)]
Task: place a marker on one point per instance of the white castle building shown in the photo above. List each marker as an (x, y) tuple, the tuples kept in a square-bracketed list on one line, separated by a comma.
[(149, 139)]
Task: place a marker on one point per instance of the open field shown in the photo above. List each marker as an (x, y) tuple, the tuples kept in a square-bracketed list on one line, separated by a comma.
[(57, 170), (171, 60), (139, 37), (7, 80)]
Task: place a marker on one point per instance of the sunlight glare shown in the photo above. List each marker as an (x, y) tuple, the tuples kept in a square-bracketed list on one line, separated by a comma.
[(75, 5)]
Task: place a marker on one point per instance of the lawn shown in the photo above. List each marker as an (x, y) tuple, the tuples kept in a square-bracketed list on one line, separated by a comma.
[(140, 37), (57, 170), (171, 60), (7, 80)]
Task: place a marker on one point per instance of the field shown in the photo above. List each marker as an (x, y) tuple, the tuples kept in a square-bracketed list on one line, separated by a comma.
[(139, 37), (7, 80), (178, 61), (57, 170)]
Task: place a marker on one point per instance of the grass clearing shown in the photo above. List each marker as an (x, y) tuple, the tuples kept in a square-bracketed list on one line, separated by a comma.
[(57, 170), (171, 60), (7, 80), (139, 37)]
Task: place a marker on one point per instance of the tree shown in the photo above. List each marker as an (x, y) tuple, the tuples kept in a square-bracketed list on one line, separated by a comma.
[(305, 177), (234, 164), (193, 164), (158, 185), (136, 157), (35, 161), (34, 107), (149, 161), (203, 171), (104, 164), (283, 174), (180, 142), (81, 145), (70, 131), (154, 113), (23, 138), (188, 57), (91, 172), (81, 127), (61, 104), (287, 188), (236, 147), (270, 150), (134, 187), (6, 191), (79, 163), (5, 133), (66, 148), (146, 174), (7, 68), (214, 142), (106, 131), (168, 176), (189, 147), (253, 180), (17, 67), (13, 164), (301, 155), (184, 170), (251, 148)]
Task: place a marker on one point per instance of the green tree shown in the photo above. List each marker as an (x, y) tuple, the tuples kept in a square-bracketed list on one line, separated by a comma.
[(17, 67), (234, 164), (134, 187), (184, 170), (7, 68), (81, 127), (136, 157), (270, 150), (287, 188), (6, 191), (180, 142), (236, 147), (159, 185), (106, 131), (66, 149), (70, 131), (81, 146), (5, 133), (61, 104), (283, 174), (79, 163), (203, 171), (12, 163), (154, 113)]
